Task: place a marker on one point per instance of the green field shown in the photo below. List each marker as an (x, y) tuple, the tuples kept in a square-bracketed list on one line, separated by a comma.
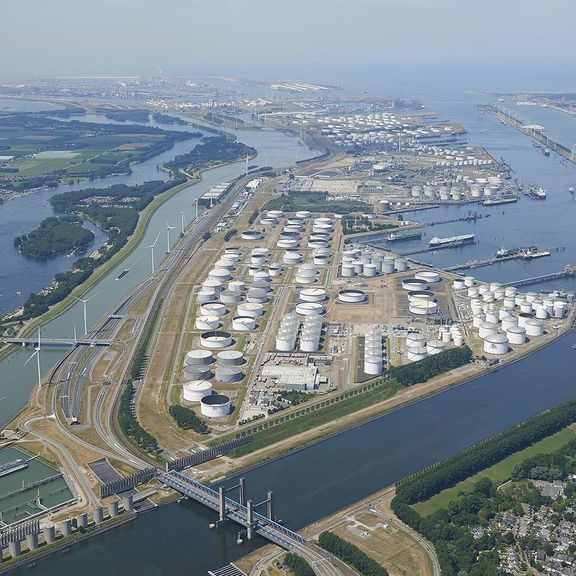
[(498, 473), (315, 419)]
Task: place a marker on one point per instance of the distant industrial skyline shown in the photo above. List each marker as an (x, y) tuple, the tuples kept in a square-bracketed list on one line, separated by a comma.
[(312, 38)]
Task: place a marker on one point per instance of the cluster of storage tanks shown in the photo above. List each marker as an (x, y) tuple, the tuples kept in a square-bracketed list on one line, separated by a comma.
[(502, 316), (466, 189), (289, 333), (421, 298), (376, 129), (202, 365), (418, 346), (364, 262), (374, 352)]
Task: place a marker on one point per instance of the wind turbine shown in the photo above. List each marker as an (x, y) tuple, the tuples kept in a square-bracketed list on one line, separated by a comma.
[(37, 354), (168, 228), (84, 301), (182, 222), (152, 248)]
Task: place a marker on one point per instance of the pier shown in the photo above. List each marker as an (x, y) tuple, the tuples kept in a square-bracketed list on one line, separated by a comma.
[(568, 271), (434, 248)]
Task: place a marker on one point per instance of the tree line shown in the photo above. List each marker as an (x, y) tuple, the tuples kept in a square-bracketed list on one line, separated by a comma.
[(187, 419)]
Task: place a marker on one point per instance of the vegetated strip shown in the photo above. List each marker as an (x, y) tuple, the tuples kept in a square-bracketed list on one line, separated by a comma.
[(127, 419), (187, 419), (499, 472), (351, 554)]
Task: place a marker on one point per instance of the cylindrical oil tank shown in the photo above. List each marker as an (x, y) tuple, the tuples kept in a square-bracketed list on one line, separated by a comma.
[(205, 296), (387, 266), (215, 406), (251, 235), (252, 309), (230, 297), (458, 339), (414, 284), (523, 317), (416, 354), (292, 257), (224, 264), (351, 296), (435, 347), (213, 284), (309, 344), (303, 214), (534, 327), (310, 309), (478, 319), (458, 284), (469, 281), (287, 243), (195, 390), (541, 313), (257, 296), (415, 338), (267, 221), (348, 270), (207, 323), (526, 307), (243, 323), (492, 317), (275, 214), (421, 295), (422, 307), (274, 270), (198, 357), (510, 291), (516, 335), (321, 259), (509, 322), (312, 295), (401, 264), (487, 328), (370, 270), (428, 276), (213, 309), (373, 365), (216, 339), (220, 274), (230, 358), (473, 291), (196, 372), (236, 286), (229, 373), (496, 344), (284, 343), (262, 285)]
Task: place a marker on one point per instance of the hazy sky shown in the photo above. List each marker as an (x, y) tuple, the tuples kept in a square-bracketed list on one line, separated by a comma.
[(276, 38)]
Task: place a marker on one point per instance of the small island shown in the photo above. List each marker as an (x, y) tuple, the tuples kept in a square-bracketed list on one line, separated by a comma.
[(54, 236)]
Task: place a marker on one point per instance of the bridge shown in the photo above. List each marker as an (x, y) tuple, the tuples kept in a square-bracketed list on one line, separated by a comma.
[(57, 342), (229, 509)]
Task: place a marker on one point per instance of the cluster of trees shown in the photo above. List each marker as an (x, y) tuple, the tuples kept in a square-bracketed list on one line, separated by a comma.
[(187, 419), (294, 396), (436, 478), (431, 366), (167, 119), (54, 236), (555, 466), (352, 224), (211, 150), (315, 202), (129, 423), (230, 234), (253, 217), (134, 115), (352, 555), (298, 565)]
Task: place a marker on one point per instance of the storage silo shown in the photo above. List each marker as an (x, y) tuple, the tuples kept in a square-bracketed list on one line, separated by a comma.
[(195, 357), (485, 329), (534, 327), (215, 406), (195, 390), (516, 335), (243, 323), (496, 344)]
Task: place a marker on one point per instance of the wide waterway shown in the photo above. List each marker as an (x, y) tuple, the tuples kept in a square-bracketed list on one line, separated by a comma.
[(322, 478)]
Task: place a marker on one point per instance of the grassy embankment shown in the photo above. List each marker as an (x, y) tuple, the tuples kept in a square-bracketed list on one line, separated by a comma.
[(498, 473)]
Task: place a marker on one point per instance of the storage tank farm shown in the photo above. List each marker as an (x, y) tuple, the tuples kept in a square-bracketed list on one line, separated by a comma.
[(504, 319)]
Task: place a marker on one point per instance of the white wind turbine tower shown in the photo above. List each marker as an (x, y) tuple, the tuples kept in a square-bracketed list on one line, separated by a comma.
[(84, 302), (37, 354), (152, 249), (168, 228)]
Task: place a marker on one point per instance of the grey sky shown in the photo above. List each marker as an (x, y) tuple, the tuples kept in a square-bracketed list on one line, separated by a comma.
[(250, 37)]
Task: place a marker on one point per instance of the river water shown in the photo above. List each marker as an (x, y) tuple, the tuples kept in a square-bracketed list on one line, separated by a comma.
[(322, 478)]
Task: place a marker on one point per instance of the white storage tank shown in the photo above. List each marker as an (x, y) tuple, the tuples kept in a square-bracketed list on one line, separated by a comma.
[(228, 374), (469, 281), (414, 284), (485, 329), (534, 327), (516, 335), (310, 309), (275, 214), (216, 339), (458, 284), (347, 270), (220, 274), (251, 235), (243, 323), (435, 346), (415, 338), (251, 309), (196, 372), (422, 307), (213, 309), (207, 323), (215, 406), (205, 296), (414, 355), (496, 344), (230, 297), (428, 276), (230, 358), (373, 365), (352, 296), (195, 390), (401, 264), (236, 286), (196, 357), (257, 295), (509, 322), (292, 257), (312, 295)]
